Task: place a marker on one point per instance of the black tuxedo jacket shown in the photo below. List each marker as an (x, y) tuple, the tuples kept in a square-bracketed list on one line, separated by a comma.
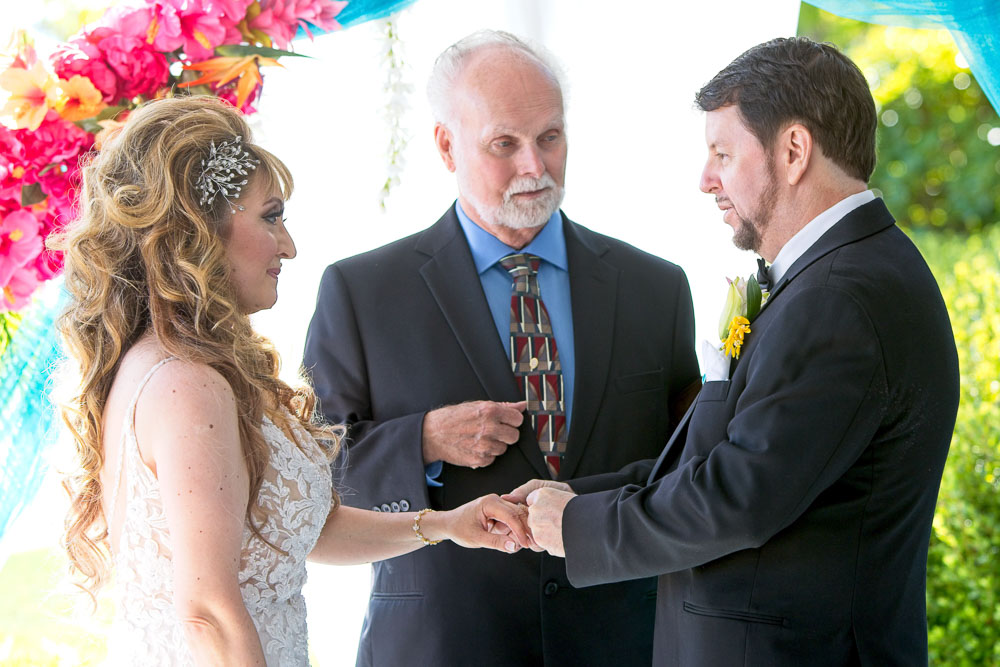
[(789, 515), (405, 329)]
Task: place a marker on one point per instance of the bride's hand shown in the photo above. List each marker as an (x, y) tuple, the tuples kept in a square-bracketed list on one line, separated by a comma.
[(484, 522)]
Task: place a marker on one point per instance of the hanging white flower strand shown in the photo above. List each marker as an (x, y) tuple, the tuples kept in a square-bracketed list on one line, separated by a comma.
[(396, 90)]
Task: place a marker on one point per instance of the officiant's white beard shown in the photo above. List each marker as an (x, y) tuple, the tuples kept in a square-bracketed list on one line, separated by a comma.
[(516, 214)]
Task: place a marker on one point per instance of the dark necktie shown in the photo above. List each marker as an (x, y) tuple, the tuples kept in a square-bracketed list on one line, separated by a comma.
[(763, 277), (535, 359)]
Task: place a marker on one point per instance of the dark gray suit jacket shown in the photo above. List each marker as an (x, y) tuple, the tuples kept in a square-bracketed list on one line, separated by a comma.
[(789, 515), (405, 329)]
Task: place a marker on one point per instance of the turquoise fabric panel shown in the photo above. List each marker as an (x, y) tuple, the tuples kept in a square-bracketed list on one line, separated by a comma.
[(975, 25)]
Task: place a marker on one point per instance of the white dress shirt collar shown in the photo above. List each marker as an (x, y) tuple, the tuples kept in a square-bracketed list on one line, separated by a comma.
[(808, 235)]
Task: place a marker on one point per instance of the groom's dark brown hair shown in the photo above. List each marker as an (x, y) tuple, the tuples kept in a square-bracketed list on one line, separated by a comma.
[(788, 80)]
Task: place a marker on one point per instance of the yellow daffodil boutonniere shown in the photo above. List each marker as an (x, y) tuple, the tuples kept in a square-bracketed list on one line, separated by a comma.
[(743, 302)]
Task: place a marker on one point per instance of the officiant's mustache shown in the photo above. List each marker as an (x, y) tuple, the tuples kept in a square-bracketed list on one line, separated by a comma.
[(522, 184)]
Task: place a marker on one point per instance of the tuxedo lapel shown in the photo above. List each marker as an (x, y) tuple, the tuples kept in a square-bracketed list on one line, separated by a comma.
[(451, 277), (593, 289)]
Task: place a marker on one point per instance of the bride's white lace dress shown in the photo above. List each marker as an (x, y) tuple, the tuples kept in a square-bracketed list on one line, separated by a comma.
[(295, 501)]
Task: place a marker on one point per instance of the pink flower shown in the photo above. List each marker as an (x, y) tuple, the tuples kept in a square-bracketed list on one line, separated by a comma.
[(20, 242), (80, 57), (281, 19), (229, 93), (126, 20), (318, 13), (232, 11), (48, 157), (24, 55), (11, 156), (16, 292), (56, 142), (193, 27), (116, 57), (140, 69)]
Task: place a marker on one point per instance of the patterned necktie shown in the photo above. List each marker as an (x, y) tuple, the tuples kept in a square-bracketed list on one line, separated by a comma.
[(535, 359)]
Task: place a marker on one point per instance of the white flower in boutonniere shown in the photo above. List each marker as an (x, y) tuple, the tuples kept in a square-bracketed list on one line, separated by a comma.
[(743, 302)]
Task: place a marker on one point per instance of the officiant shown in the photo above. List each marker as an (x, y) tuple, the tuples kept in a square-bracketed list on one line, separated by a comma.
[(504, 342)]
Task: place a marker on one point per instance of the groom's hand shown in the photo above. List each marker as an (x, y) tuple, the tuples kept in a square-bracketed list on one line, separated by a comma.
[(487, 522), (471, 434), (519, 495), (545, 512)]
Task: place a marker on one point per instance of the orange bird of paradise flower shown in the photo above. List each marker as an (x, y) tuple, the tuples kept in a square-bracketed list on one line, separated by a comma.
[(224, 69)]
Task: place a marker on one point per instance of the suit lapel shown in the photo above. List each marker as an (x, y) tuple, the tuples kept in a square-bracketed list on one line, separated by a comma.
[(451, 277), (593, 289), (862, 222)]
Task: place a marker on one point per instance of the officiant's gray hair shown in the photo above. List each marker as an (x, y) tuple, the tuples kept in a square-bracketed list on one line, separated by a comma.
[(449, 65)]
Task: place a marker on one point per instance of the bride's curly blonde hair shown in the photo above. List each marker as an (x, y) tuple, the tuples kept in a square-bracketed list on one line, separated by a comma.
[(144, 255)]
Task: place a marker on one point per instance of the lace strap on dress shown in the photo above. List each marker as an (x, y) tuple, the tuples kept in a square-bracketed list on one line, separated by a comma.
[(128, 429)]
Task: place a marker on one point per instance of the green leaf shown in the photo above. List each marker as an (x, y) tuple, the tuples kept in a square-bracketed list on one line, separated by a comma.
[(109, 112), (237, 50), (92, 124), (88, 125), (753, 298), (32, 194), (9, 322)]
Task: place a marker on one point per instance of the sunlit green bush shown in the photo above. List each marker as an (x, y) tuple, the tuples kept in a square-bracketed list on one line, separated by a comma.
[(963, 568)]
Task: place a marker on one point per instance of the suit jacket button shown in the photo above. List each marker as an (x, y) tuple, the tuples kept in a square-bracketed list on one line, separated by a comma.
[(404, 506), (386, 508), (376, 509), (395, 506), (551, 588)]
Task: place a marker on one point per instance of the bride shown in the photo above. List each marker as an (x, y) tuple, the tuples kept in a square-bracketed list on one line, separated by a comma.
[(204, 481)]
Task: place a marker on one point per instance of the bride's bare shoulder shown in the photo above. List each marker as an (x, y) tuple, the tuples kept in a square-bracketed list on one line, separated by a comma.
[(179, 398), (192, 380)]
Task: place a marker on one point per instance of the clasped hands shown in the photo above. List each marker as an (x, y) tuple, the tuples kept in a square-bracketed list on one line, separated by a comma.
[(473, 435), (529, 517)]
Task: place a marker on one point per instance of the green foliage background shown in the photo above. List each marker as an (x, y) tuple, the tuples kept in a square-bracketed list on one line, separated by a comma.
[(963, 568), (938, 172)]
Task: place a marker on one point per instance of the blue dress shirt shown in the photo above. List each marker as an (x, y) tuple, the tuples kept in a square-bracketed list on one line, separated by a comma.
[(553, 284)]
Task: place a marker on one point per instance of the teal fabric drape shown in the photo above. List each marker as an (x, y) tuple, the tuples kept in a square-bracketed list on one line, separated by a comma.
[(975, 25), (359, 11), (27, 416)]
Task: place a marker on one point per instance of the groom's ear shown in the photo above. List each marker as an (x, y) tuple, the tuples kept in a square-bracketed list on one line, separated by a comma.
[(445, 145), (794, 152)]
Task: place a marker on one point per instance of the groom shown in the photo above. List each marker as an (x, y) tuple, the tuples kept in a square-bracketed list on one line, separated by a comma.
[(789, 514)]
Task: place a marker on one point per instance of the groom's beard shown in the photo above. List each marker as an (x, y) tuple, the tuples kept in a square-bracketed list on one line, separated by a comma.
[(517, 214), (748, 234)]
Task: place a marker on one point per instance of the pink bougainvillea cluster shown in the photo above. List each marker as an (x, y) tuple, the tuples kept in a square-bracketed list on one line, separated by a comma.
[(58, 111)]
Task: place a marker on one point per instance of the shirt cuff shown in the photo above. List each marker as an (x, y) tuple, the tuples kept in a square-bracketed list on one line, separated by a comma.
[(432, 471)]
